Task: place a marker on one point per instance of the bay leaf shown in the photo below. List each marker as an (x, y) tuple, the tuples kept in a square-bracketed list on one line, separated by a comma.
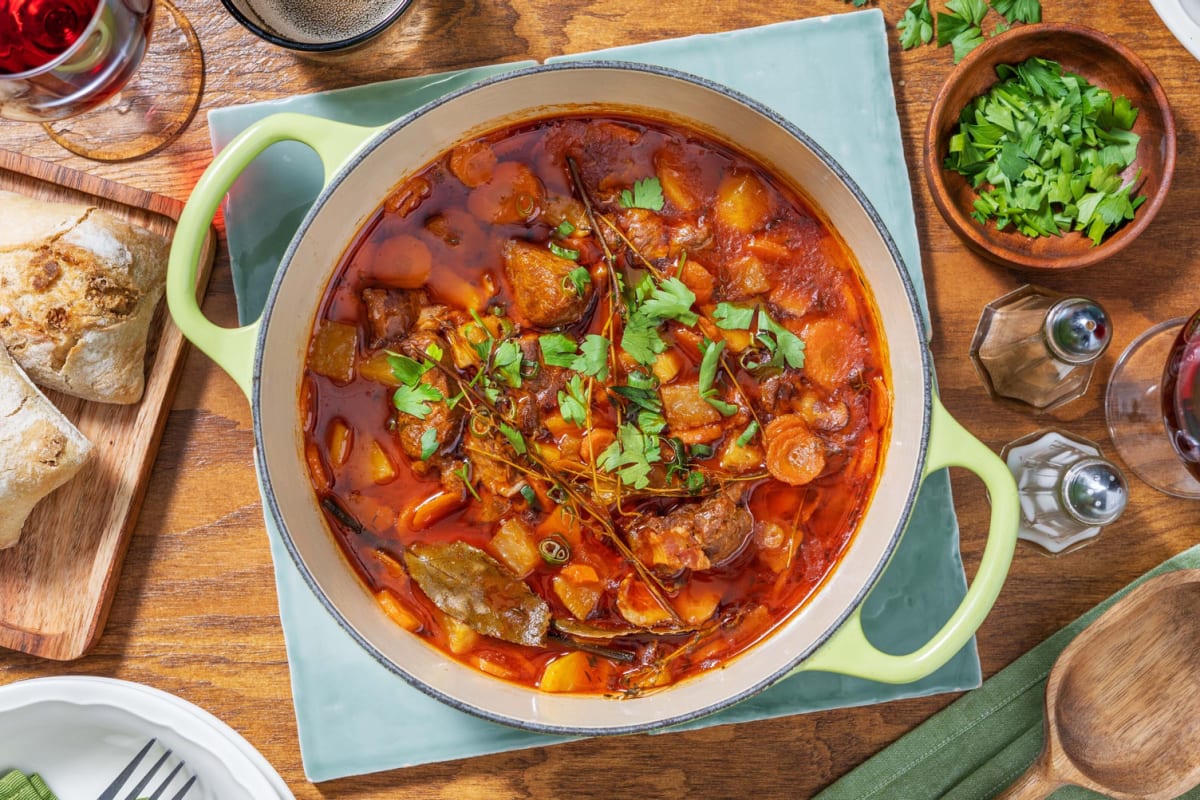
[(471, 586)]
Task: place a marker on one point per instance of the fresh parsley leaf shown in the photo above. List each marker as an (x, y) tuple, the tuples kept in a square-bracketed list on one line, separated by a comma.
[(578, 280), (415, 399), (973, 11), (641, 339), (407, 370), (916, 26), (429, 443), (573, 402), (646, 193), (791, 347), (748, 434), (733, 318), (630, 457), (563, 252), (647, 399), (653, 304), (558, 349), (1018, 10), (651, 422), (507, 361), (671, 299), (593, 359), (695, 479), (514, 438)]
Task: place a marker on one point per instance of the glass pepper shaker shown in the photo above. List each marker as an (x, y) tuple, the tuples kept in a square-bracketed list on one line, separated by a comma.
[(1067, 489), (1038, 347)]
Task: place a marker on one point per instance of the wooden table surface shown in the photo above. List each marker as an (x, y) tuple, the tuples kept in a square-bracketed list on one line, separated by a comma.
[(196, 613)]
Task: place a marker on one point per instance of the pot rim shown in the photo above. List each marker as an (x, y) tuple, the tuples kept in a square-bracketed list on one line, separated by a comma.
[(815, 642)]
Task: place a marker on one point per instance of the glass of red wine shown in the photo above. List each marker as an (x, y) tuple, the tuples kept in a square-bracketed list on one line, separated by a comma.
[(92, 74), (1153, 407)]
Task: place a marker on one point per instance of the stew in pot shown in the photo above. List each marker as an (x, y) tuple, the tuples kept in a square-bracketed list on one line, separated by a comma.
[(594, 403)]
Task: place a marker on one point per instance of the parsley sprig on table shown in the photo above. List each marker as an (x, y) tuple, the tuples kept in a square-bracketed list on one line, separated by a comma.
[(961, 24), (1045, 150)]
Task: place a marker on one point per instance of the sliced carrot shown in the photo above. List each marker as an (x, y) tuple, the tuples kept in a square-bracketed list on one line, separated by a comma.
[(833, 351), (399, 614), (434, 508), (795, 455), (699, 435)]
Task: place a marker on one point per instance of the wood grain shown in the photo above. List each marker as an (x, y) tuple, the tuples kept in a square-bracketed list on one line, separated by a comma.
[(1123, 700), (195, 612), (57, 583)]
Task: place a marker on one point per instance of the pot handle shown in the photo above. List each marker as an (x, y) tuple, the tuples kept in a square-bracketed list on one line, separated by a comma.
[(848, 652), (233, 348)]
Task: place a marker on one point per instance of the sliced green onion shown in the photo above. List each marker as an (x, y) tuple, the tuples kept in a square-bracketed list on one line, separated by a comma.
[(554, 550)]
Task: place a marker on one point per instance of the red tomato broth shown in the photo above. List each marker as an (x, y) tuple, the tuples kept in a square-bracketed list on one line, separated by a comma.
[(807, 268)]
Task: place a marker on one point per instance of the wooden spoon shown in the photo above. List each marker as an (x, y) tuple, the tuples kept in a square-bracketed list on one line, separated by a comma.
[(1123, 700)]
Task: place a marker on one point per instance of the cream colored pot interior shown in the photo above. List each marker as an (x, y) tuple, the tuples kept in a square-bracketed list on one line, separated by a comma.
[(353, 198)]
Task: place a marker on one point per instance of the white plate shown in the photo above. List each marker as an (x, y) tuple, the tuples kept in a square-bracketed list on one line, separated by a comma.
[(78, 732), (1182, 17)]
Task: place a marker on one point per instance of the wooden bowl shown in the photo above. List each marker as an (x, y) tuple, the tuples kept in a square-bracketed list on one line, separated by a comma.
[(1103, 61)]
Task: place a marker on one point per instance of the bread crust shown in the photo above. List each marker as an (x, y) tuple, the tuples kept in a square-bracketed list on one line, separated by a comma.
[(40, 449), (78, 291)]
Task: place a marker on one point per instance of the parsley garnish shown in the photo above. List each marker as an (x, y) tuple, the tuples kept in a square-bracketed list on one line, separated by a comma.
[(578, 280), (646, 193), (630, 457), (916, 26), (1045, 150), (507, 362), (558, 349), (413, 396), (593, 359), (429, 443), (655, 303), (784, 346), (573, 402), (960, 28), (514, 438), (1018, 10)]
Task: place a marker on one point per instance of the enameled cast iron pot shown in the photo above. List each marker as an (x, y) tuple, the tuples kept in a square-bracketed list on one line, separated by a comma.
[(363, 165)]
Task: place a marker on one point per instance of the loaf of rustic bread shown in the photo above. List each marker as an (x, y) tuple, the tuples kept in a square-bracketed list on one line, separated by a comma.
[(78, 291), (40, 449)]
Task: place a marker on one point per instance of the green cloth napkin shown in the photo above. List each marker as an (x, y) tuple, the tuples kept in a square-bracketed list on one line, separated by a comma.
[(979, 745), (16, 785)]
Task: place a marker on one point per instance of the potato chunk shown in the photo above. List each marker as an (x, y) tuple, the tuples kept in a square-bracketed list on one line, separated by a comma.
[(743, 202), (685, 408)]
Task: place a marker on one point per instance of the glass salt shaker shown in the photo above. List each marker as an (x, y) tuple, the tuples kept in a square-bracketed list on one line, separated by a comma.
[(1038, 347), (1067, 489)]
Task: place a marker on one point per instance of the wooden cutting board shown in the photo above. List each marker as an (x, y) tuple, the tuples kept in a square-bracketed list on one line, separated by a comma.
[(57, 583)]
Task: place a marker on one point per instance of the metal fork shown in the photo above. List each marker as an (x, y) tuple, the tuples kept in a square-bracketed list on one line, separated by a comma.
[(135, 792)]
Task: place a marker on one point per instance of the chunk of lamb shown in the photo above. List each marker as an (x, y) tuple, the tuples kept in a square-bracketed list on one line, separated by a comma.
[(391, 314), (696, 537), (543, 293)]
